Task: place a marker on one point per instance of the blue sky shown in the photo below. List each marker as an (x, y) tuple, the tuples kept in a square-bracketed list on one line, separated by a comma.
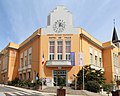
[(20, 18)]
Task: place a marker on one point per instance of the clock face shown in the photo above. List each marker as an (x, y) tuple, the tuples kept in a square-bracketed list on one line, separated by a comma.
[(59, 26)]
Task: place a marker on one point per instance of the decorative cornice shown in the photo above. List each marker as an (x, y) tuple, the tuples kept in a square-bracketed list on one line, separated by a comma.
[(111, 46), (90, 40), (30, 40)]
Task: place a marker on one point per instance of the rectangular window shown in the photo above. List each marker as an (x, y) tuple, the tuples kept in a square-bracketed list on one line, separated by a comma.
[(68, 49), (115, 59), (5, 62), (100, 60), (3, 77), (21, 62), (51, 56), (59, 49), (67, 56), (20, 76), (115, 77), (68, 46), (24, 76), (59, 46), (29, 75), (52, 46), (96, 61), (91, 58), (30, 58), (51, 50), (25, 58), (59, 56), (30, 55)]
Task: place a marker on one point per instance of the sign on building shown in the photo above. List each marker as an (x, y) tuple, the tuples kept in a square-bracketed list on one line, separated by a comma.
[(80, 59), (72, 58)]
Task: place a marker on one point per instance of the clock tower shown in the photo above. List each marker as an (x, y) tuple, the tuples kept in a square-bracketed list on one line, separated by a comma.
[(59, 21)]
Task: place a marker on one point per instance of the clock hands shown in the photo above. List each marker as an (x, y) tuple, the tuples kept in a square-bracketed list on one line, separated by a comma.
[(59, 26)]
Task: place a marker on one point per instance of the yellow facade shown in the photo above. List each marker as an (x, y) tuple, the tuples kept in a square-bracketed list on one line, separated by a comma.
[(24, 61), (9, 62)]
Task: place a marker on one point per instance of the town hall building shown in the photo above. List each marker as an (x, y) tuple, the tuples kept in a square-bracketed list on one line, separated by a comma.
[(59, 49)]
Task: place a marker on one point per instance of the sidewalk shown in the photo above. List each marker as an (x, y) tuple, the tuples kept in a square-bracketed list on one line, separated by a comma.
[(69, 92), (43, 93), (29, 91), (73, 92)]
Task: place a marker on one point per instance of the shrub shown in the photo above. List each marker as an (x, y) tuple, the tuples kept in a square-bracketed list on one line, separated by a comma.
[(61, 81), (24, 83), (31, 84), (107, 87), (92, 86), (14, 82), (9, 82), (38, 82)]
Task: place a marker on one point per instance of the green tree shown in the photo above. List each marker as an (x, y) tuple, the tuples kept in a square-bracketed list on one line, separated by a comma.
[(90, 75), (92, 86)]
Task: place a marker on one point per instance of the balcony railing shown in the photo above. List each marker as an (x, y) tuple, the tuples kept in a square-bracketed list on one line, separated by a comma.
[(57, 63)]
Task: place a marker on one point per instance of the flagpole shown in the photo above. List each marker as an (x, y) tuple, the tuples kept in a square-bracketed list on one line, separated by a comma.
[(42, 74), (75, 79), (42, 68), (80, 55), (83, 65)]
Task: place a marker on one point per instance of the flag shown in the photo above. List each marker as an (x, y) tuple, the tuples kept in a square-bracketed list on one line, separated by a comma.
[(72, 57), (80, 59), (43, 59)]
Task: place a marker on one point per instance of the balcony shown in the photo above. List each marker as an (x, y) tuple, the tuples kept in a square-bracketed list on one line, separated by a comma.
[(57, 63), (96, 67)]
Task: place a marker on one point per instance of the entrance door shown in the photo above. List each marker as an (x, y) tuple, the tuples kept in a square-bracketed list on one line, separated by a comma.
[(59, 77)]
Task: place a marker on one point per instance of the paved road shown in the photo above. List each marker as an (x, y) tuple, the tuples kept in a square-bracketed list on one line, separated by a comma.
[(6, 91), (16, 91)]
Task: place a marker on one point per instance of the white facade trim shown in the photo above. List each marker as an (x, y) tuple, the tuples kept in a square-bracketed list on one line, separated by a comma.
[(91, 50), (96, 53), (100, 55)]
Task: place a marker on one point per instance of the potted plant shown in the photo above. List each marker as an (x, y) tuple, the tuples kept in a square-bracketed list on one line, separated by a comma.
[(61, 83), (38, 85)]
